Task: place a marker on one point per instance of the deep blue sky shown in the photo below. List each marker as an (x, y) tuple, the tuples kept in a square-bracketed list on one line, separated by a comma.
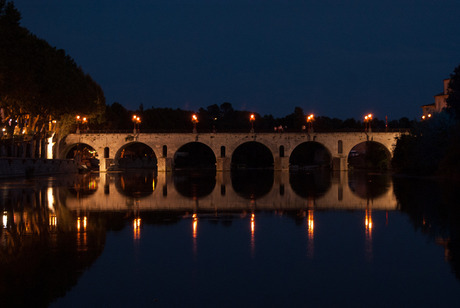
[(333, 58)]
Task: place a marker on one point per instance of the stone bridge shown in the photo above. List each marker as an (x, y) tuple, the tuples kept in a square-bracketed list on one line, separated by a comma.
[(223, 145)]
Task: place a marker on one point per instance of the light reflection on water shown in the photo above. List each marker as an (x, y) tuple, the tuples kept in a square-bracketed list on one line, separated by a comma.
[(208, 239)]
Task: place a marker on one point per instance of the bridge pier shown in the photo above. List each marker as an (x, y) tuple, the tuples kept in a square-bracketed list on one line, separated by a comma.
[(339, 164), (164, 164), (104, 164), (223, 164), (281, 163)]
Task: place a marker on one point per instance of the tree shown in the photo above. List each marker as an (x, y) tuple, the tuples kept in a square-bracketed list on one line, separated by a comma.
[(453, 100), (40, 81)]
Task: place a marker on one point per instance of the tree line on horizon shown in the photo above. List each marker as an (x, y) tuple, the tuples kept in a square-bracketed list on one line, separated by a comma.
[(224, 117)]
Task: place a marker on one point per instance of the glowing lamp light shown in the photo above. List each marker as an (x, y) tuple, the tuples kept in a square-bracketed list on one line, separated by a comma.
[(195, 225), (5, 219), (53, 221), (310, 118), (194, 121), (367, 122), (252, 118), (136, 121), (311, 224), (137, 228)]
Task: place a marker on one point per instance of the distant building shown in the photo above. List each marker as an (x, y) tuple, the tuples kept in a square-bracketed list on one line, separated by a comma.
[(439, 102)]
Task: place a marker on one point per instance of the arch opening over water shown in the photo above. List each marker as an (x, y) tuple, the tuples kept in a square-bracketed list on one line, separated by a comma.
[(252, 155), (369, 155), (310, 155), (85, 155), (194, 155), (136, 155)]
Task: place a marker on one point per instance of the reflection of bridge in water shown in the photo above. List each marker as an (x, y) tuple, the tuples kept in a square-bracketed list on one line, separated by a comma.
[(110, 193)]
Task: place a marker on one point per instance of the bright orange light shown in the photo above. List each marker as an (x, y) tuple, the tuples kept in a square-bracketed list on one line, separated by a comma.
[(423, 117), (252, 117), (5, 219), (311, 118), (194, 119), (78, 117), (84, 120), (253, 224), (195, 225), (311, 223), (368, 117), (53, 221), (429, 115), (368, 222), (137, 228), (79, 223)]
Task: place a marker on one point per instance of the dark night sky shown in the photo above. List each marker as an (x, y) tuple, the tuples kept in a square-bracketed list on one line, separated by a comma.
[(333, 58)]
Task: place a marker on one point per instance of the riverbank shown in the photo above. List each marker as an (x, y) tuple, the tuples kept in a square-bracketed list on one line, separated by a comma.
[(25, 167)]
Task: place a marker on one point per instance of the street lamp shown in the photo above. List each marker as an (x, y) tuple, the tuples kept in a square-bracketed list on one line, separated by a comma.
[(78, 120), (136, 120), (84, 121), (367, 123), (194, 121), (310, 120), (252, 118)]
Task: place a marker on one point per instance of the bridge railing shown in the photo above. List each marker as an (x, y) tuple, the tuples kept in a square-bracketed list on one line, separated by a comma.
[(208, 131)]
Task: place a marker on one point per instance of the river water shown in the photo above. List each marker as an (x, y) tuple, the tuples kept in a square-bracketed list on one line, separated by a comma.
[(249, 239)]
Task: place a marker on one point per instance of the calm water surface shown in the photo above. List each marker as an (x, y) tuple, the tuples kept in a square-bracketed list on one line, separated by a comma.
[(198, 239)]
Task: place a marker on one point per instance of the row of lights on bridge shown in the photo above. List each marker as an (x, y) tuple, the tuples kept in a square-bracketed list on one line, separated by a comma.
[(310, 119)]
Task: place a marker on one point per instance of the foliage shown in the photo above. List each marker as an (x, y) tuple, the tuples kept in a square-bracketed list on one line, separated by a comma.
[(39, 80), (422, 151), (376, 156), (433, 147), (453, 100)]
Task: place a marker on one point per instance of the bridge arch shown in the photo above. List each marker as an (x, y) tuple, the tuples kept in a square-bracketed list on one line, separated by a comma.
[(136, 155), (194, 155), (252, 154), (369, 155), (310, 154), (83, 154)]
